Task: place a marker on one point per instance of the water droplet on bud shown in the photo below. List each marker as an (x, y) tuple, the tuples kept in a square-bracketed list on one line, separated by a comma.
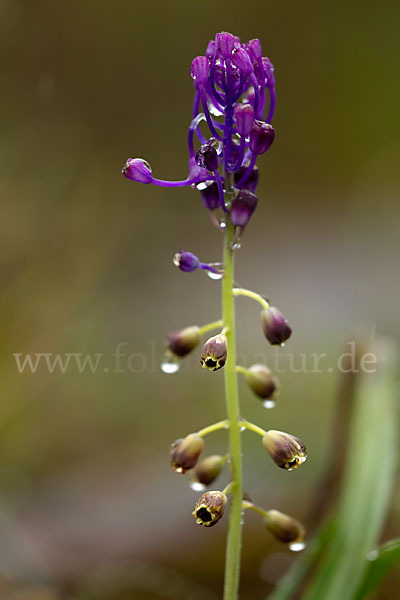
[(176, 259), (297, 546), (222, 224), (215, 275), (269, 404), (197, 486), (200, 186), (243, 428), (236, 246), (170, 365)]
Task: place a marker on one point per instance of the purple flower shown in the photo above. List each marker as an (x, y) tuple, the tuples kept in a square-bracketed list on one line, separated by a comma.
[(235, 98), (276, 328)]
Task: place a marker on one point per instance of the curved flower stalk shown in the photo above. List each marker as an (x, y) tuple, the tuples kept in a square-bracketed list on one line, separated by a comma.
[(235, 99)]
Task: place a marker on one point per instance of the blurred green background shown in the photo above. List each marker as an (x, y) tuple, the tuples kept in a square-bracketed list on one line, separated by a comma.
[(88, 504)]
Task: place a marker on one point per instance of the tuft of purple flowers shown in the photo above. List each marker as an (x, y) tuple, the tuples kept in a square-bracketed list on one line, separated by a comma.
[(235, 98)]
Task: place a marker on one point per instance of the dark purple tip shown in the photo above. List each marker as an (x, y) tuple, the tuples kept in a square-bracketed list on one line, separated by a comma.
[(251, 182), (207, 156), (210, 196), (261, 137), (244, 117), (137, 169), (186, 261), (243, 207), (276, 328)]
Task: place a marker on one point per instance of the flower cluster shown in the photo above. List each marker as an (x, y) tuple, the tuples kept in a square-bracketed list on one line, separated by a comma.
[(235, 88)]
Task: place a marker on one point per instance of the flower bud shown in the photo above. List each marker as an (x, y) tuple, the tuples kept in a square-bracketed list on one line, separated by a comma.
[(251, 182), (137, 169), (186, 261), (243, 206), (199, 71), (210, 196), (242, 61), (185, 452), (183, 341), (208, 469), (207, 156), (261, 381), (283, 527), (244, 117), (226, 42), (287, 451), (261, 137), (213, 353), (276, 328), (254, 49), (210, 508)]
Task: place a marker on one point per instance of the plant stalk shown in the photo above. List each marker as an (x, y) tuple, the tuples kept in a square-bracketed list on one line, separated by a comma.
[(234, 541)]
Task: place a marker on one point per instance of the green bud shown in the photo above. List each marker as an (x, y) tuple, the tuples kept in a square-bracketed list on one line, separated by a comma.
[(262, 381), (284, 528), (286, 450), (183, 341), (213, 353), (185, 452), (210, 508), (208, 469)]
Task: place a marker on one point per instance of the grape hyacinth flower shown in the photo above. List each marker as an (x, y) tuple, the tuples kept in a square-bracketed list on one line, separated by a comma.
[(234, 98)]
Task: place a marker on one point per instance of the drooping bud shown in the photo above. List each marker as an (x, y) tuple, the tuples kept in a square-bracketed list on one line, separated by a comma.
[(199, 71), (276, 327), (185, 452), (207, 156), (261, 380), (208, 469), (183, 341), (244, 117), (286, 450), (210, 196), (186, 261), (284, 528), (261, 137), (210, 49), (242, 61), (213, 353), (243, 206), (137, 169), (251, 182), (210, 508)]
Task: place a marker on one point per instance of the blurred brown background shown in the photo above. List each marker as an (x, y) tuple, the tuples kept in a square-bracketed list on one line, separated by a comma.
[(88, 504)]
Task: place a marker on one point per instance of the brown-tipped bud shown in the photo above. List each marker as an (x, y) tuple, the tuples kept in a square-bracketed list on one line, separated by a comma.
[(183, 341), (210, 508), (284, 528), (208, 469), (261, 381), (276, 328), (213, 353), (286, 450), (185, 452)]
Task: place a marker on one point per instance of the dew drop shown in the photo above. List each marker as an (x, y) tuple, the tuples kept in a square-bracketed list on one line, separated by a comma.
[(269, 403), (170, 365), (197, 486), (201, 186), (222, 224), (215, 275), (243, 428), (176, 259), (236, 246), (372, 555), (297, 546)]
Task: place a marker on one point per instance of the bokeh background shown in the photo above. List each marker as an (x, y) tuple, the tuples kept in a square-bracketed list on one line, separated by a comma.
[(89, 508)]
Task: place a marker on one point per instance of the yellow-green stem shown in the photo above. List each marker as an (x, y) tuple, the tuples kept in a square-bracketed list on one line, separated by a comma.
[(234, 542)]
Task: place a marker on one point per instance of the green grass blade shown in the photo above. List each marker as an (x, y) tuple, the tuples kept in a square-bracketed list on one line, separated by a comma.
[(367, 482), (387, 556)]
